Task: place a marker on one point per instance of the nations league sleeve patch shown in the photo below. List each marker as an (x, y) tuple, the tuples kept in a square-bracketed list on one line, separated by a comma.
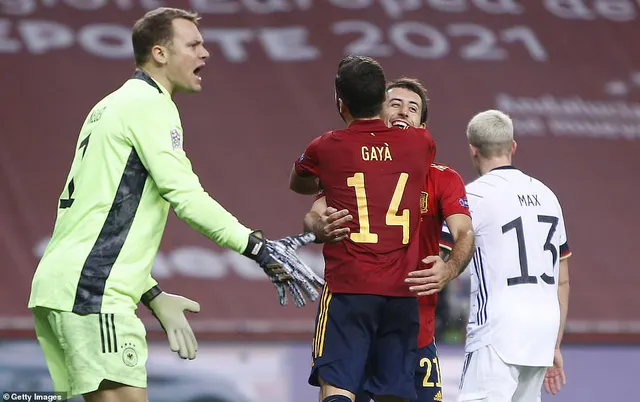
[(176, 139), (463, 203)]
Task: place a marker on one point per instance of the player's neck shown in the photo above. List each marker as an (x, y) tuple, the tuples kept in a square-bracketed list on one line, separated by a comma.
[(348, 119), (487, 165), (158, 76)]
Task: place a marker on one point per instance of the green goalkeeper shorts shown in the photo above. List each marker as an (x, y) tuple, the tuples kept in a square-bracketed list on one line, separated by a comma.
[(83, 350)]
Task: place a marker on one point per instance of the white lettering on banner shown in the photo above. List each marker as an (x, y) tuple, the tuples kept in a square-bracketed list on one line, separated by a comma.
[(397, 8), (42, 36), (482, 47), (616, 10), (152, 4), (288, 44), (244, 267), (352, 4), (438, 45), (216, 6), (570, 9), (254, 6), (499, 6), (124, 4), (7, 44), (110, 41), (198, 262), (87, 4), (601, 129), (572, 116), (529, 40), (613, 10), (370, 41), (449, 6), (267, 6), (17, 7), (206, 263), (230, 41)]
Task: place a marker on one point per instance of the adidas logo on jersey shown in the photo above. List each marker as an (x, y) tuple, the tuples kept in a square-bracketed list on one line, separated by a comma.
[(438, 397)]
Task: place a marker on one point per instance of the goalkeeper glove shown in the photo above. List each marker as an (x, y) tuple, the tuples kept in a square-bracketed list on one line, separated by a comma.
[(283, 267), (169, 311)]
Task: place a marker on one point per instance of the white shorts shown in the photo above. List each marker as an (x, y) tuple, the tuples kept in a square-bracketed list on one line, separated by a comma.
[(486, 378)]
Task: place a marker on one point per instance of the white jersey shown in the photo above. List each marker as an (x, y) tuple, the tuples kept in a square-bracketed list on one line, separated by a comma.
[(520, 238)]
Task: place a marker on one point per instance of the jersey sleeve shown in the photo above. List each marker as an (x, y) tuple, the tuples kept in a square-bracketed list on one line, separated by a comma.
[(307, 164), (453, 196), (431, 146), (565, 251), (477, 218), (150, 283), (446, 239), (154, 140)]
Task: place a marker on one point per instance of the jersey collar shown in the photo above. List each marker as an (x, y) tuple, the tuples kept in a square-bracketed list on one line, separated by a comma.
[(141, 75), (368, 125), (506, 167)]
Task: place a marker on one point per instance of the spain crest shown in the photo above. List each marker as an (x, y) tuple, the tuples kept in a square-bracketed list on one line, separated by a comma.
[(424, 202)]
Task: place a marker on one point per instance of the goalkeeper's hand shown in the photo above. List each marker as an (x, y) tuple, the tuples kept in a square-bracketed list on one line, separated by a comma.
[(283, 267), (169, 310)]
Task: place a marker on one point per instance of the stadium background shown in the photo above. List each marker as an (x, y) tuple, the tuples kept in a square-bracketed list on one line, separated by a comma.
[(568, 72)]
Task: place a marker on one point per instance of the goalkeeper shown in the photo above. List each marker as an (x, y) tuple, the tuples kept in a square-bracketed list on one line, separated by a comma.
[(129, 168)]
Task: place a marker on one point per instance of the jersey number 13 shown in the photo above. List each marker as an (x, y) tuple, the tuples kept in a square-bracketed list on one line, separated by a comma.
[(524, 277)]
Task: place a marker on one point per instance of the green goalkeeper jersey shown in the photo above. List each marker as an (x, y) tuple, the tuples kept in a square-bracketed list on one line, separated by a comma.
[(129, 167)]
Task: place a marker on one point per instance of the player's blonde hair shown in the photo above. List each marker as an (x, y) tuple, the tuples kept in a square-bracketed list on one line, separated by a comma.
[(491, 132)]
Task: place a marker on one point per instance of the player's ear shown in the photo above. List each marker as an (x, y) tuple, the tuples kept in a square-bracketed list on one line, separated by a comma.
[(473, 151), (159, 54), (513, 147)]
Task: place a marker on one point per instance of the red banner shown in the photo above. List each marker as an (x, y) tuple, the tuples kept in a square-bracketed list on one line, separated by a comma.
[(568, 72)]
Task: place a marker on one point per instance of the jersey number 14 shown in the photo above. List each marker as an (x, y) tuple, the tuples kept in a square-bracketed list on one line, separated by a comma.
[(391, 218)]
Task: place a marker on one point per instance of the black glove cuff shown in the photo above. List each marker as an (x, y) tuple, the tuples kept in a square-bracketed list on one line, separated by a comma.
[(256, 246), (149, 295)]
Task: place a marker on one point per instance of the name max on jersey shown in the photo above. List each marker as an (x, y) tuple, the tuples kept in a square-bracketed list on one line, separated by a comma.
[(375, 153), (529, 200)]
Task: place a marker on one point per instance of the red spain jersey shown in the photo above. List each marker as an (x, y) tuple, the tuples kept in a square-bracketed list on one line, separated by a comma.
[(377, 174), (443, 195)]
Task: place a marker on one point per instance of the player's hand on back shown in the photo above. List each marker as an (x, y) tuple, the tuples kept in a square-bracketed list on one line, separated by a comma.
[(286, 271), (554, 378), (331, 226), (431, 280)]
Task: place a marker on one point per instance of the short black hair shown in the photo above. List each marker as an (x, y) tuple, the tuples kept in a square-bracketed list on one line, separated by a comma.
[(156, 28), (415, 86), (360, 83)]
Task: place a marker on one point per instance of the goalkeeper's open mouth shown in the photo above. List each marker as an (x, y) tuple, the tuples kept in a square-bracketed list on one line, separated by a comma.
[(196, 72)]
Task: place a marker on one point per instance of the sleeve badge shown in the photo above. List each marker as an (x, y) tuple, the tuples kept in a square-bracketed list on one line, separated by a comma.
[(176, 139)]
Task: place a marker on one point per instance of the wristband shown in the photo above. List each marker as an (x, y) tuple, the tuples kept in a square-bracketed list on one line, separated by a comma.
[(149, 295)]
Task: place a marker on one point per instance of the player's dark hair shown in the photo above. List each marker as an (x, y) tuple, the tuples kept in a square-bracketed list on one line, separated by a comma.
[(156, 28), (415, 86), (360, 83)]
